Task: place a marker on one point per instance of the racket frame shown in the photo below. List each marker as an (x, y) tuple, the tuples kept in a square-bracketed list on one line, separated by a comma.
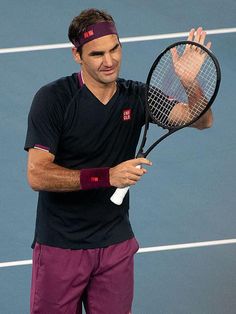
[(148, 113)]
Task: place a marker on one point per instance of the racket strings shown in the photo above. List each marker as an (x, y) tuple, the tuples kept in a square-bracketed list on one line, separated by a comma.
[(206, 77), (173, 102)]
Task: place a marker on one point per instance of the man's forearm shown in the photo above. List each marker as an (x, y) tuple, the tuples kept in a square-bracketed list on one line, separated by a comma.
[(53, 178), (197, 103), (205, 121), (45, 175)]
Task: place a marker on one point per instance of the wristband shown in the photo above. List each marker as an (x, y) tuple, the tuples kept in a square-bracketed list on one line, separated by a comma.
[(94, 178)]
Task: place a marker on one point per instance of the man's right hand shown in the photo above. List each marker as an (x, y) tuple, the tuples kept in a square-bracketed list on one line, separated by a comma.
[(128, 173)]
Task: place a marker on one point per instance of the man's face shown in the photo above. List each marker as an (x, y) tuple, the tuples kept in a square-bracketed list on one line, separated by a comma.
[(101, 59)]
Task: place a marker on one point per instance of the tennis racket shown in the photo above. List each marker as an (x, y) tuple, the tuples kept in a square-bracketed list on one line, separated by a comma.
[(181, 86)]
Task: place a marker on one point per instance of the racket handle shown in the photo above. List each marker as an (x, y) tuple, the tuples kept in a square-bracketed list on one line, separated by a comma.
[(119, 194)]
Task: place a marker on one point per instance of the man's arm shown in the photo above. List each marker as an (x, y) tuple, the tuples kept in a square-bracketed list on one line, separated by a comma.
[(185, 111), (45, 175), (204, 122)]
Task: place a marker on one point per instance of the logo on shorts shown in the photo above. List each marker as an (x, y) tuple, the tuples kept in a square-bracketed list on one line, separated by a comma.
[(127, 114)]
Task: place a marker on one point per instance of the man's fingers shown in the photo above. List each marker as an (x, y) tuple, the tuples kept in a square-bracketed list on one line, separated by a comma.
[(191, 34), (137, 171), (134, 177), (208, 45), (141, 161), (128, 172), (198, 34), (175, 55), (202, 37)]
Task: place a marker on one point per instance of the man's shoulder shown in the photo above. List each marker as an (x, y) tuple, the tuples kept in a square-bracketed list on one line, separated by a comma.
[(131, 85), (56, 94), (61, 87)]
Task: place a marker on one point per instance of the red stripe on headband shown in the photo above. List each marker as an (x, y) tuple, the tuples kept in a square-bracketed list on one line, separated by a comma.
[(95, 31)]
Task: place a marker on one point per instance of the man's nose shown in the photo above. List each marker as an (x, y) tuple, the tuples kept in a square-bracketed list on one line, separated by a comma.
[(107, 59)]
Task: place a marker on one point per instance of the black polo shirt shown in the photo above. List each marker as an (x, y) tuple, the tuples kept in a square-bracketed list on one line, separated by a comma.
[(71, 123)]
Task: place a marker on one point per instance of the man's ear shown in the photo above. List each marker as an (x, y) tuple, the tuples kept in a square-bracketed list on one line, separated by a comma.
[(76, 55)]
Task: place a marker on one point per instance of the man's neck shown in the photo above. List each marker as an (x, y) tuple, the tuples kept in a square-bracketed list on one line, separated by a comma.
[(104, 92)]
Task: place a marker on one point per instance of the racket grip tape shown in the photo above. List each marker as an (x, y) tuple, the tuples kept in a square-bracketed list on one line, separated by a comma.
[(119, 194)]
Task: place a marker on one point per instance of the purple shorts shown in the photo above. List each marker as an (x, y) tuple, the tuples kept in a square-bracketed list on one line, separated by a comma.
[(100, 279)]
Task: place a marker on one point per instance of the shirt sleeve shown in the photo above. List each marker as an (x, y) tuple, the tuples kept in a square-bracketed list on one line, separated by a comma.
[(44, 121)]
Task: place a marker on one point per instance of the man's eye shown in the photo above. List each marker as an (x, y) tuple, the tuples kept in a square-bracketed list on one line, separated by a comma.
[(96, 54)]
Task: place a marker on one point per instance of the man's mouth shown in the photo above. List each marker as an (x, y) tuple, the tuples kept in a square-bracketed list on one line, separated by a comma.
[(109, 71)]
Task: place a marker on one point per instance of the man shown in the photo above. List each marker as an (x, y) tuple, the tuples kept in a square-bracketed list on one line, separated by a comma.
[(82, 134)]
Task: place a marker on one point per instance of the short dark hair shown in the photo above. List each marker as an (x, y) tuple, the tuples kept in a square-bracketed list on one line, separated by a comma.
[(86, 18)]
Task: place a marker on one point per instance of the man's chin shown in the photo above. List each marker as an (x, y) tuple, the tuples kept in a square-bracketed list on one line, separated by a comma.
[(109, 79)]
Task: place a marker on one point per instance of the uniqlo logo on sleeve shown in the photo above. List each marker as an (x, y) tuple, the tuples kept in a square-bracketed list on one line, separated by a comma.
[(126, 114)]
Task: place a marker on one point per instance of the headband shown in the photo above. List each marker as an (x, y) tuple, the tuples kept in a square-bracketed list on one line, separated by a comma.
[(95, 31)]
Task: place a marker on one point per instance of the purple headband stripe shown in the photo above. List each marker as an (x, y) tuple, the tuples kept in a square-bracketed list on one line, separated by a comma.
[(95, 31)]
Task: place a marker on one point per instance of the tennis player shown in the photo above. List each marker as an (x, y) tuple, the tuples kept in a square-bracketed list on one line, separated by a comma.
[(83, 130)]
